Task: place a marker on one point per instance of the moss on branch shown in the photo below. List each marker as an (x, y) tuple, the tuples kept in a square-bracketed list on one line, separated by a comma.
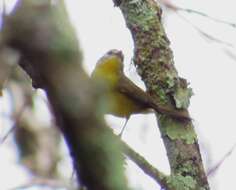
[(154, 60)]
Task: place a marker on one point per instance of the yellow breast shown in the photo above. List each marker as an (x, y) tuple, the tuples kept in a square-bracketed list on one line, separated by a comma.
[(108, 71), (121, 105)]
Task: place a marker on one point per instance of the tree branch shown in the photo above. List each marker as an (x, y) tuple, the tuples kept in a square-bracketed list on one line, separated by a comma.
[(144, 165), (41, 32), (154, 61)]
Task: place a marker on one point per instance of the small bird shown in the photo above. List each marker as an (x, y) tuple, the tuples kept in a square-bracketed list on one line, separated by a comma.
[(123, 96)]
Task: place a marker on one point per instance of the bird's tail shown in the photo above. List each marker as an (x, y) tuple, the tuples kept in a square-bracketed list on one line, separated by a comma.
[(179, 114)]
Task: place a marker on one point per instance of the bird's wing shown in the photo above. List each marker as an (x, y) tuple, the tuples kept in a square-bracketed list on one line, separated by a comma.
[(127, 87)]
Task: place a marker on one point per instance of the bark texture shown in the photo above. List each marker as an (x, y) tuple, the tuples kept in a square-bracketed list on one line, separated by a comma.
[(154, 60)]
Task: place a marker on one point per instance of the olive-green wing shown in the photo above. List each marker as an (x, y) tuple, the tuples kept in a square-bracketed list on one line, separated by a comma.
[(131, 90)]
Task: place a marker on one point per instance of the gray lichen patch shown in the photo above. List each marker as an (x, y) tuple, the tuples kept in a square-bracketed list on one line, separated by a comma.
[(179, 182), (176, 131)]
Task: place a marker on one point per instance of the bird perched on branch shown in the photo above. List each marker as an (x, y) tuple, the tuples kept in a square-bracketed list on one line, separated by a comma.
[(123, 96)]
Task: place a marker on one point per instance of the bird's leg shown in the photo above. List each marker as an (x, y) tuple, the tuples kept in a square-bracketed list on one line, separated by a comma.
[(123, 128)]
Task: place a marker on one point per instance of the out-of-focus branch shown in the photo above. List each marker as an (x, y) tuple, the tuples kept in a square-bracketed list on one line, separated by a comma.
[(210, 38), (168, 4), (213, 170), (16, 119), (207, 16), (6, 66), (49, 51), (230, 54), (33, 139), (205, 35), (44, 182)]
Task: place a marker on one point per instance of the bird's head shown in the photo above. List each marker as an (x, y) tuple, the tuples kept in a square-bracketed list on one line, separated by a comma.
[(111, 62)]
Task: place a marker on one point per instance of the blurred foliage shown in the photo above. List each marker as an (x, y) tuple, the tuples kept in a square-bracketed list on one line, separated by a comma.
[(37, 142)]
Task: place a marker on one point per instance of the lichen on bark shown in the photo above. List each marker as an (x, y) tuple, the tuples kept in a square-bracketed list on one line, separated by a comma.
[(154, 61), (152, 52)]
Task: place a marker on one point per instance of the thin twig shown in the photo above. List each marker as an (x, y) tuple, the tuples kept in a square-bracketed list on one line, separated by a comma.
[(204, 34), (230, 54), (207, 16), (17, 118), (168, 4), (144, 165), (213, 170)]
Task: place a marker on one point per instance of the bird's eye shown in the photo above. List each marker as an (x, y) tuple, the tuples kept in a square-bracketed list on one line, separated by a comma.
[(114, 52), (117, 53)]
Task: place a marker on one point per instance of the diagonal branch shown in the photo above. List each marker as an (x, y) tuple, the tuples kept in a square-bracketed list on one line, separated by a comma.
[(144, 165)]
